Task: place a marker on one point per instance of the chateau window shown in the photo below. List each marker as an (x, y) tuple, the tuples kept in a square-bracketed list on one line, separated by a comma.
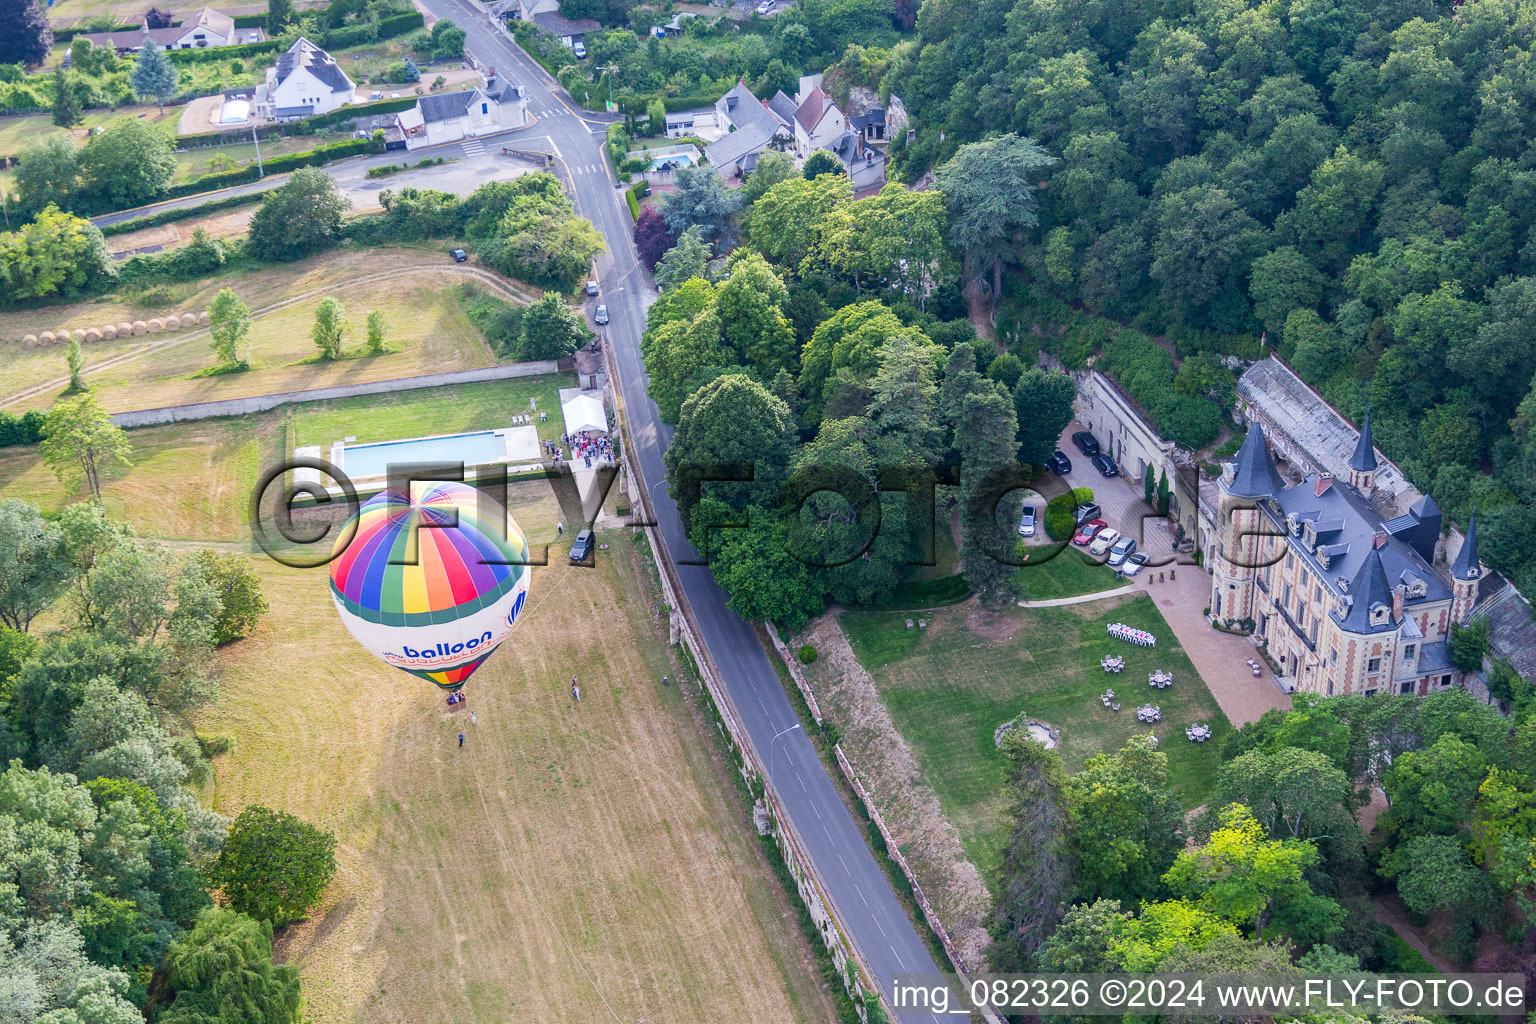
[(1374, 665), (1408, 652), (1285, 595), (1333, 657), (1445, 681), (1407, 687)]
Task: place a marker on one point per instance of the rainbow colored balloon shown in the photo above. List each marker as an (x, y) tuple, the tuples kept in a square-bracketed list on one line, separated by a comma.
[(441, 617)]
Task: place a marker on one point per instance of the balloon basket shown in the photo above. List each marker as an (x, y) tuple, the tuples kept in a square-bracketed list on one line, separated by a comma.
[(457, 702)]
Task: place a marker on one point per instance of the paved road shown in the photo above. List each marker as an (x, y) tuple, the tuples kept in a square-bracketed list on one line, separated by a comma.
[(859, 891)]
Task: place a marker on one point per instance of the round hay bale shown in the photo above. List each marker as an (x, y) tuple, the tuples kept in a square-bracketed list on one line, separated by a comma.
[(29, 341), (79, 333), (124, 329), (139, 327), (188, 319), (173, 322), (108, 333), (92, 334), (203, 319), (155, 325), (46, 338), (61, 334)]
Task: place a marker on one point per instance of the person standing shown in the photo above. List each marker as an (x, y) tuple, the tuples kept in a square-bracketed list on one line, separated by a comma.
[(461, 739), (471, 718), (560, 531)]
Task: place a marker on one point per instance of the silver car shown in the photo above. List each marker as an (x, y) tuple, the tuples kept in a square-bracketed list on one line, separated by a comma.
[(601, 316), (1027, 521), (1120, 551)]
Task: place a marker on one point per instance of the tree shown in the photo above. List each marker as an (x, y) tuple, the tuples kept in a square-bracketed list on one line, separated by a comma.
[(1469, 644), (1241, 876), (159, 17), (377, 326), (990, 189), (279, 14), (552, 330), (68, 110), (656, 112), (1432, 791), (300, 218), (753, 564), (329, 327), (787, 221), (772, 168), (734, 428), (229, 321), (49, 174), (750, 304), (238, 589), (821, 162), (702, 201), (33, 571), (1283, 280), (80, 440), (985, 438), (50, 976), (1434, 873), (652, 237), (153, 76), (1038, 871), (273, 866), (57, 254), (686, 260), (222, 973), (74, 358), (25, 37), (447, 40), (1127, 825), (1043, 402), (850, 340)]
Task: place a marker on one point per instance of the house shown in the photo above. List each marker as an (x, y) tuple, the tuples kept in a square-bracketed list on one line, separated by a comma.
[(209, 28), (818, 123), (870, 125), (304, 82), (751, 127), (864, 163), (1345, 600), (569, 31), (449, 117)]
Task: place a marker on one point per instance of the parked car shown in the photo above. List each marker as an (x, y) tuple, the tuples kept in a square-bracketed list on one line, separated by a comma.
[(1058, 463), (459, 255), (1134, 563), (1086, 442), (1105, 465), (1122, 549), (579, 49), (1087, 531), (581, 546), (591, 287), (1103, 541), (765, 8), (601, 316), (1027, 521), (1087, 510)]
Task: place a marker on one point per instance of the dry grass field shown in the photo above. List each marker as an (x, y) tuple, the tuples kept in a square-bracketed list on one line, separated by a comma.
[(427, 328), (571, 863)]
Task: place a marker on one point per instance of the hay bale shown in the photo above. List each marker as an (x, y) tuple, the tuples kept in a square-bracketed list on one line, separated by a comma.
[(109, 333), (155, 325), (61, 335), (139, 327), (203, 319), (124, 329), (92, 334), (79, 333), (173, 322), (188, 319), (46, 338), (29, 341)]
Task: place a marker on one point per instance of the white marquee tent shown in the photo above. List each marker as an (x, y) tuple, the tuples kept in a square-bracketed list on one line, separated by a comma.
[(583, 411)]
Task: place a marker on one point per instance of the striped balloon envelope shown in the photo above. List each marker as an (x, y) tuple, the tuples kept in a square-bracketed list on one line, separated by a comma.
[(432, 586)]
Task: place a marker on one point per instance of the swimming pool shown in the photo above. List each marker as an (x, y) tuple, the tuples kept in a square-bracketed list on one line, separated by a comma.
[(360, 461), (234, 112), (677, 160)]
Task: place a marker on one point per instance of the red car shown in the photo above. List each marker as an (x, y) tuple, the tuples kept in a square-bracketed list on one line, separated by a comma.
[(1087, 531)]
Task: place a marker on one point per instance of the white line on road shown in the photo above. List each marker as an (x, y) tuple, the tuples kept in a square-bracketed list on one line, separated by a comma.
[(861, 894), (898, 958)]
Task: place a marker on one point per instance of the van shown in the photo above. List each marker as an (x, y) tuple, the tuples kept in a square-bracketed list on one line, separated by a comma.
[(581, 547)]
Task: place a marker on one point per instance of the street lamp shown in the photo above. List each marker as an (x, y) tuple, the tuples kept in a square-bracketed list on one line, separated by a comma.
[(772, 752)]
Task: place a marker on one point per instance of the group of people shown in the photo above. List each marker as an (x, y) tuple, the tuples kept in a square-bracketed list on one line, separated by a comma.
[(1140, 637), (588, 445)]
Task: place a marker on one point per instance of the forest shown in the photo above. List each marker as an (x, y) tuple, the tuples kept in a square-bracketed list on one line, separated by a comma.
[(1350, 181)]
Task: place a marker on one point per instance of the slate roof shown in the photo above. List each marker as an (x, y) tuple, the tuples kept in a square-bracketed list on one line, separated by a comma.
[(445, 106), (1254, 473), (306, 54), (1363, 459), (744, 110), (730, 148), (1466, 566), (864, 121), (1368, 591), (782, 106), (555, 24), (1511, 624)]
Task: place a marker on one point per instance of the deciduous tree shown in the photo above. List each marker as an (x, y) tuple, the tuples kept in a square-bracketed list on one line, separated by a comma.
[(80, 441), (229, 327), (274, 867)]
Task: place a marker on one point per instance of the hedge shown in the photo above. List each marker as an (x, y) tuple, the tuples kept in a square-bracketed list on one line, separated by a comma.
[(1059, 522), (291, 162), (698, 99), (24, 429), (64, 35), (336, 38), (123, 227), (632, 197)]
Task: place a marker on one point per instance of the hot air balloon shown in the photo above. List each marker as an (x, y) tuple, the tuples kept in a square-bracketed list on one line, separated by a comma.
[(442, 616)]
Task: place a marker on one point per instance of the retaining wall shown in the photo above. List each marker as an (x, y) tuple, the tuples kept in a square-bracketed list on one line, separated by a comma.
[(262, 403)]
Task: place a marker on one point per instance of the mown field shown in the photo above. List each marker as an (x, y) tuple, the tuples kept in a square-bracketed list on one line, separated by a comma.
[(1041, 662), (415, 288)]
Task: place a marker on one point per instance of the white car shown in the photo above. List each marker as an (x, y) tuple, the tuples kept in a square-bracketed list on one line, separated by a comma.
[(580, 49), (1123, 549), (1104, 541), (765, 8), (1133, 564), (1027, 521)]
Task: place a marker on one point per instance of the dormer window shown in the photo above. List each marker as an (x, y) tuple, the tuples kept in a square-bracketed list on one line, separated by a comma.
[(1379, 613)]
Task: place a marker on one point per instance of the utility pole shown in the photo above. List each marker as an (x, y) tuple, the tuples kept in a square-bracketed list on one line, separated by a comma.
[(260, 172)]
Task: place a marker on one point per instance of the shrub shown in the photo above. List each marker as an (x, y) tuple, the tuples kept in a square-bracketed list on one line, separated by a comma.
[(806, 654), (1058, 513)]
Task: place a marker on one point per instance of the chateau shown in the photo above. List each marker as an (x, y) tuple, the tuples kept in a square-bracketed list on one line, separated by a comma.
[(1344, 600)]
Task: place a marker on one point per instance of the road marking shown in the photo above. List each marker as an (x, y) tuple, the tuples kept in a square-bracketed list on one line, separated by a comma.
[(860, 891), (881, 927), (897, 955), (844, 864)]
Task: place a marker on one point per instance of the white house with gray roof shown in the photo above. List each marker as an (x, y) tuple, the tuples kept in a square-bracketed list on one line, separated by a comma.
[(449, 117), (304, 82)]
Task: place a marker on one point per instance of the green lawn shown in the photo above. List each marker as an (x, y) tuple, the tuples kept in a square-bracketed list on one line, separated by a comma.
[(431, 411), (930, 586), (1044, 663), (1051, 574)]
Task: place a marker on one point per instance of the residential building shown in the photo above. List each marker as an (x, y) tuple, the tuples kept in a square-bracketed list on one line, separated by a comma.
[(208, 28), (818, 123), (750, 127), (546, 15), (449, 117), (1343, 599), (304, 82), (799, 126)]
